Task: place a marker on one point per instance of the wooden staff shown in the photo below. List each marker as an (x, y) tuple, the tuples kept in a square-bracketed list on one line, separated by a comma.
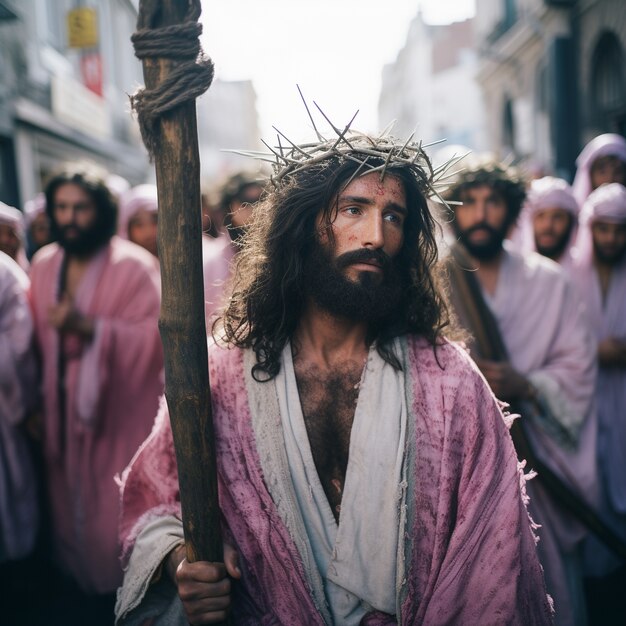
[(167, 117)]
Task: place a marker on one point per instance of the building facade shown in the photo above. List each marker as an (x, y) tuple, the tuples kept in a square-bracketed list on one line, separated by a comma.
[(553, 77), (66, 69), (227, 120), (431, 86)]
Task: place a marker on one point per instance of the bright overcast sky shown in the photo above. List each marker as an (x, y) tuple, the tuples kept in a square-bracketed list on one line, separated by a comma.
[(334, 49)]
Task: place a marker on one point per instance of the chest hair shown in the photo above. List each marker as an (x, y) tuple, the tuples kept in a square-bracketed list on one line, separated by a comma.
[(328, 399)]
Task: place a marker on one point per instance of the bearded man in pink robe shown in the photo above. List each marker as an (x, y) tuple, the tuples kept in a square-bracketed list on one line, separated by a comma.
[(96, 303), (600, 276), (549, 220), (365, 471), (531, 341)]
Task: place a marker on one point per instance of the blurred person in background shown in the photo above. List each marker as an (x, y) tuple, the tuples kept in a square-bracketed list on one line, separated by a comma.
[(229, 219), (531, 341), (18, 393), (602, 160), (138, 217), (37, 224), (549, 220), (12, 235), (96, 302), (600, 276)]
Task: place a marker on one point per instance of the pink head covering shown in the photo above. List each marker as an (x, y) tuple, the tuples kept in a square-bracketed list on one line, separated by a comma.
[(545, 193), (34, 207), (606, 204), (608, 144), (13, 217), (550, 193), (140, 197)]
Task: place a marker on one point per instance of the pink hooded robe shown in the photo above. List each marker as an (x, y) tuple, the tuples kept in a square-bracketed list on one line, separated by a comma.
[(468, 553), (546, 193), (112, 387), (12, 217), (18, 384), (608, 319), (609, 144), (542, 324), (217, 258)]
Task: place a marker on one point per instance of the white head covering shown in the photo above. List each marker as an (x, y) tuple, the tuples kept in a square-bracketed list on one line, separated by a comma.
[(12, 217), (606, 204), (550, 193), (608, 144), (140, 197), (34, 207), (545, 193), (117, 185)]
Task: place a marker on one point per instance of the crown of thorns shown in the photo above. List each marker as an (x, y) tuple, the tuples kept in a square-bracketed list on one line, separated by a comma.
[(288, 158)]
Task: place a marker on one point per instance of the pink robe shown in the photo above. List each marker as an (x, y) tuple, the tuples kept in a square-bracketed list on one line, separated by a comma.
[(18, 384), (468, 548), (609, 320), (112, 387), (217, 256), (542, 323)]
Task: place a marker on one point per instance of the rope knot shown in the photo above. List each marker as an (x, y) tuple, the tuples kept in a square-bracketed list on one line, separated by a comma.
[(189, 78)]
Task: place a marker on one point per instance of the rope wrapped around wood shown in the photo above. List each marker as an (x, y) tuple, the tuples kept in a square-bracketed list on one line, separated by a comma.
[(190, 76)]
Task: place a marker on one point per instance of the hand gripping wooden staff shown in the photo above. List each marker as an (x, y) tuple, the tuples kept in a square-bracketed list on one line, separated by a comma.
[(175, 73)]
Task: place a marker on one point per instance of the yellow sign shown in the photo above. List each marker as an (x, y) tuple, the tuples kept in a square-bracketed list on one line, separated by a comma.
[(82, 28)]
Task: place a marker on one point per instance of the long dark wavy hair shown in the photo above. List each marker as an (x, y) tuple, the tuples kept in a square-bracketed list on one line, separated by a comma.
[(92, 184), (269, 290), (507, 181)]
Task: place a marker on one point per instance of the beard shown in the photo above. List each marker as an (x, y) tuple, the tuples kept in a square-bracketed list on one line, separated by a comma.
[(612, 256), (555, 250), (371, 298), (85, 243), (487, 249)]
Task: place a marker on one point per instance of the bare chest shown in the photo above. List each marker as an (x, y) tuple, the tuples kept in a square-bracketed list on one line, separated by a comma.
[(328, 400), (74, 274)]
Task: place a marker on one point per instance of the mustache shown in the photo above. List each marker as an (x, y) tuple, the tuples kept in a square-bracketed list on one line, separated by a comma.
[(64, 229), (482, 226), (363, 256)]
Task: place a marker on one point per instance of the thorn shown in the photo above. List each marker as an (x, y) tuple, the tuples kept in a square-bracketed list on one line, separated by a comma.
[(357, 171), (296, 147), (388, 128), (278, 156), (389, 154), (345, 130), (306, 106)]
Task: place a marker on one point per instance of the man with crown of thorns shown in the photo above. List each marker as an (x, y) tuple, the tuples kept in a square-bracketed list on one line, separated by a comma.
[(365, 471)]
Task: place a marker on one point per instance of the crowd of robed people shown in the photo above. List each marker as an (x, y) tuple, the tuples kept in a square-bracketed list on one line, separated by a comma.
[(365, 467)]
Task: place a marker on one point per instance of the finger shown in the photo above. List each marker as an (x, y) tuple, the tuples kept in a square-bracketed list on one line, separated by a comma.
[(231, 561), (212, 617), (196, 592), (201, 571)]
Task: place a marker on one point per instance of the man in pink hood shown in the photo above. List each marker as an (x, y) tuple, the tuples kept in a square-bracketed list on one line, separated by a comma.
[(549, 220), (600, 276), (603, 160)]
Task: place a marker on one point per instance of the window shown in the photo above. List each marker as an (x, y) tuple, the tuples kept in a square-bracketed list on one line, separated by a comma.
[(608, 91)]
